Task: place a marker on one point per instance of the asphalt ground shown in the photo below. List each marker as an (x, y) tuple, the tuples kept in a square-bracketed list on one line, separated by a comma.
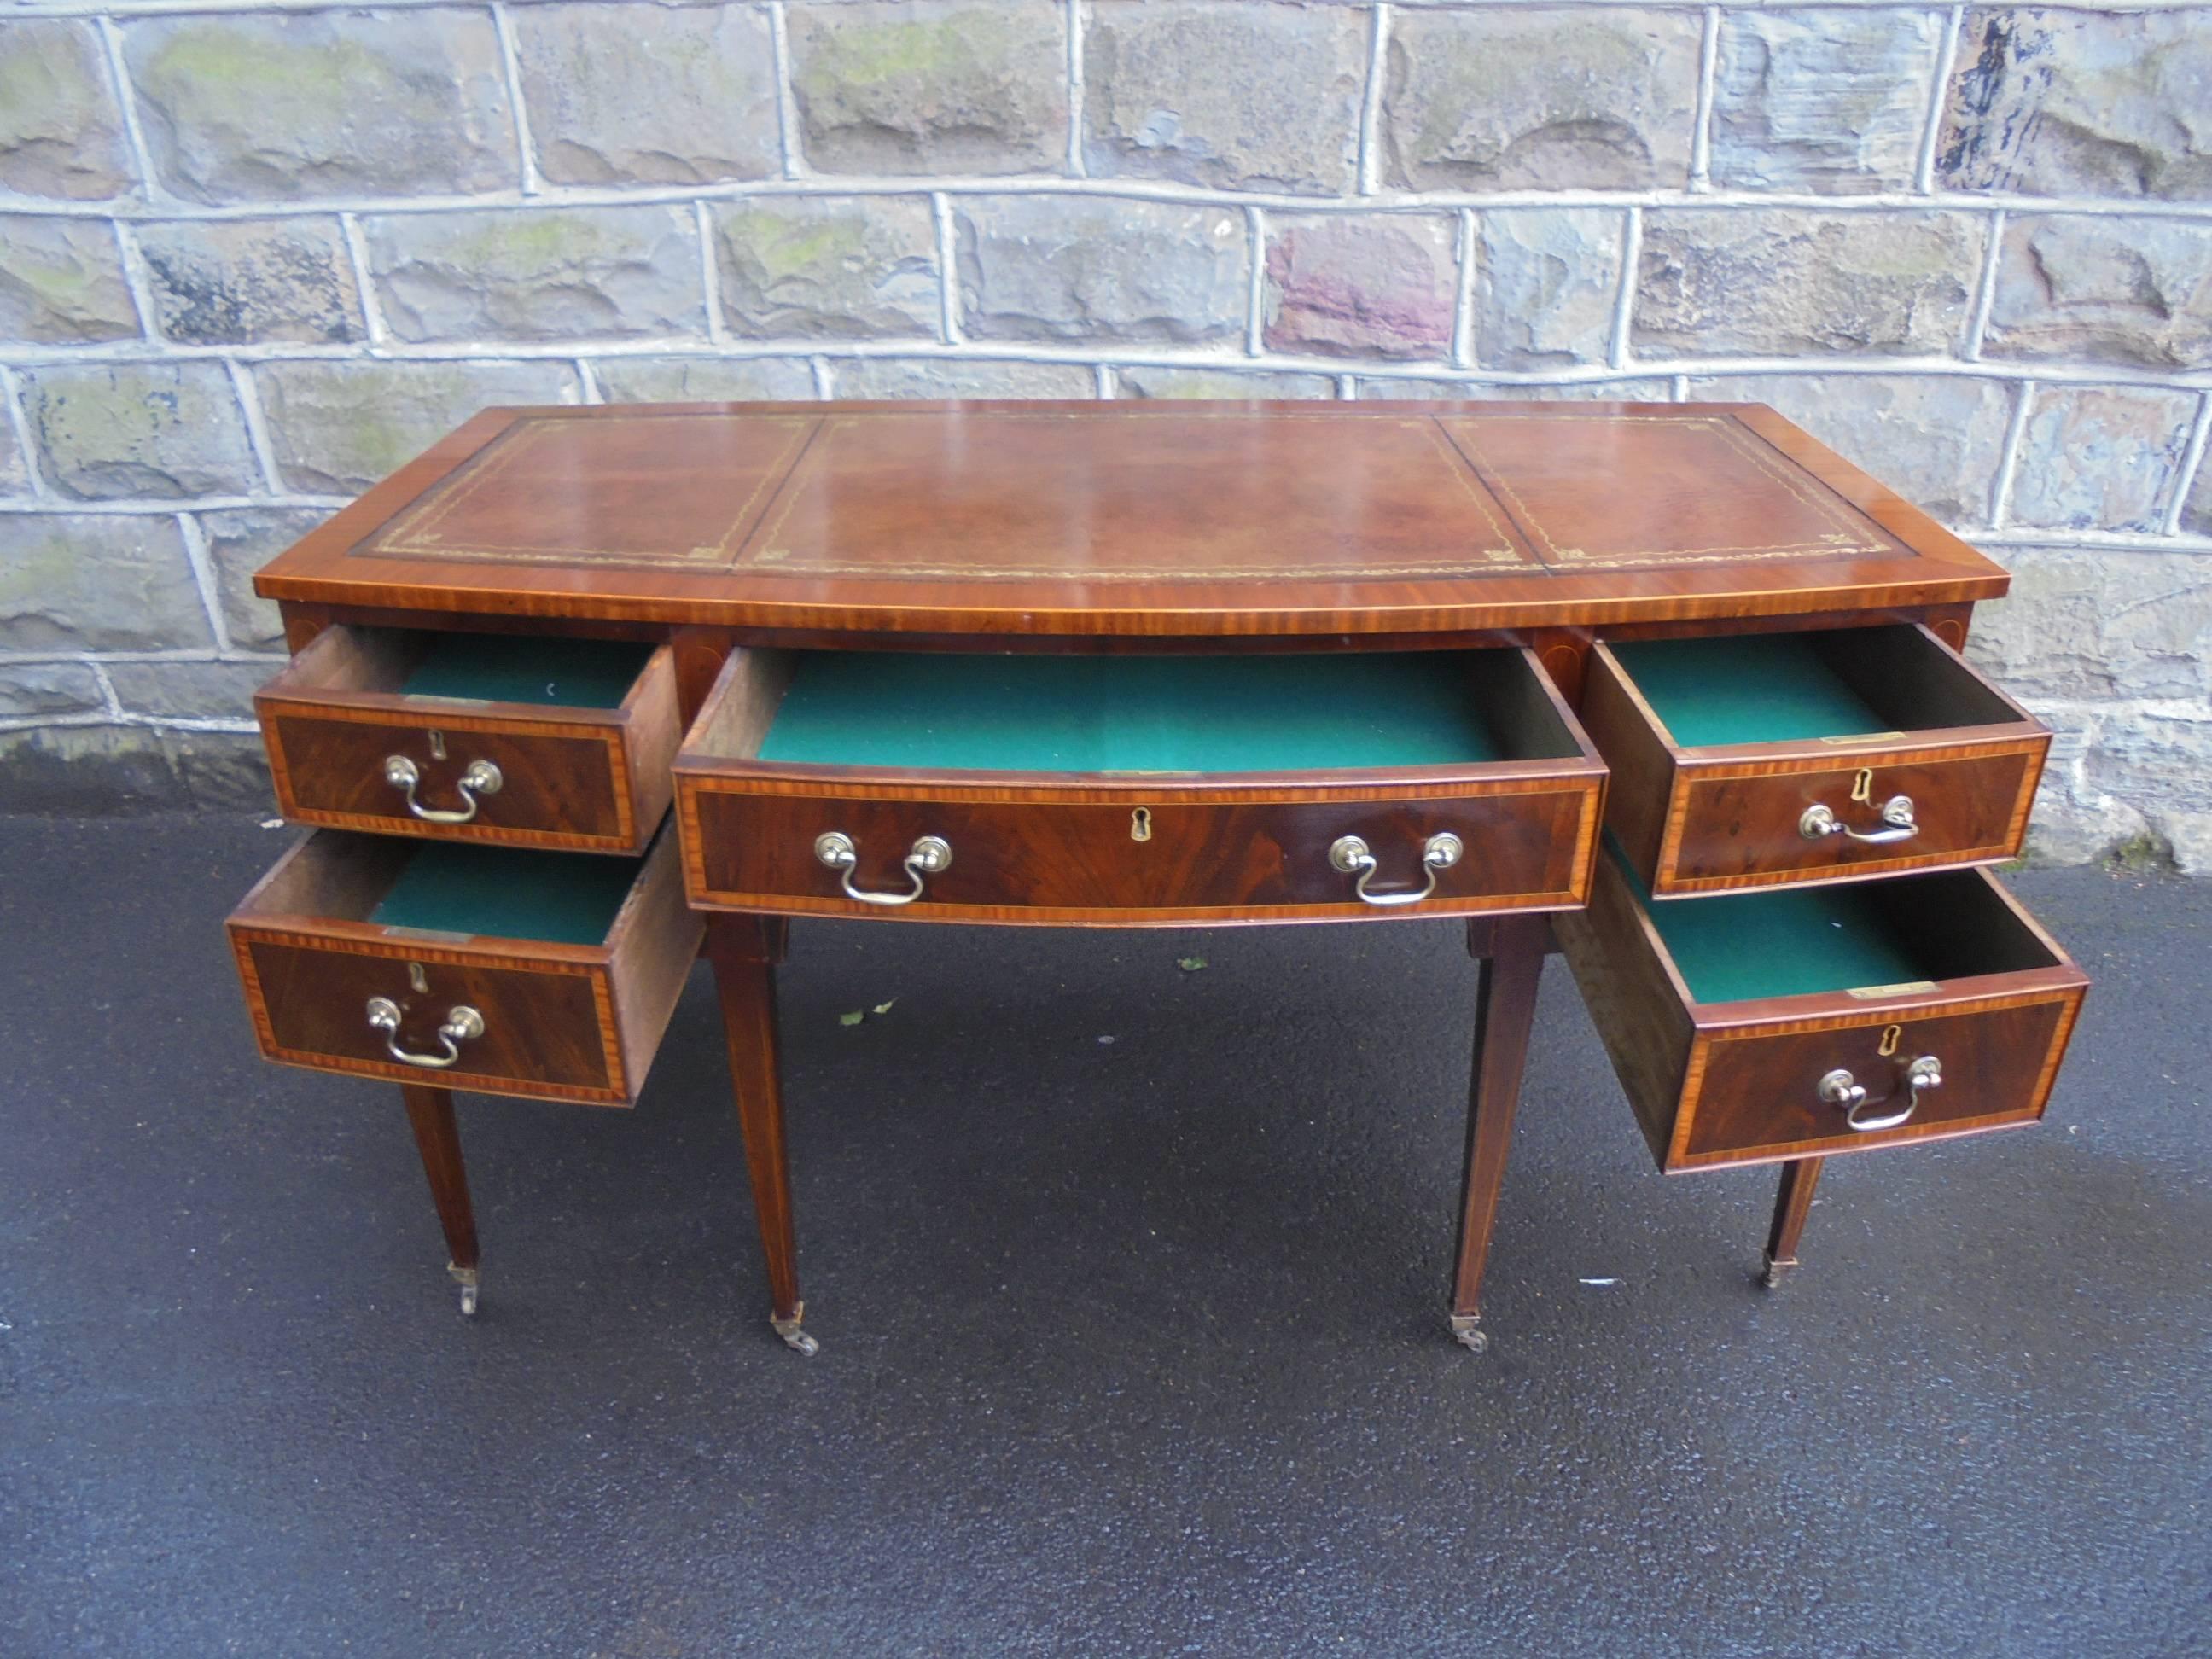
[(1129, 1280)]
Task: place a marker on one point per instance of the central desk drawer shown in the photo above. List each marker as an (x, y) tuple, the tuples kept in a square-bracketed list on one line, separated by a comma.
[(523, 973), (1763, 760), (1105, 790), (1780, 1026), (520, 740)]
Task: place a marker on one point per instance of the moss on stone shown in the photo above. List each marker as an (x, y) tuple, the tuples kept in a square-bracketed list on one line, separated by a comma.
[(2140, 853), (367, 417), (61, 283), (38, 562), (522, 242), (281, 74), (783, 246), (878, 54), (32, 81)]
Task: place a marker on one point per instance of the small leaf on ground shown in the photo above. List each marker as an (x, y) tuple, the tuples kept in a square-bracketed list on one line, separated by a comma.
[(883, 1007), (1190, 964), (853, 1018)]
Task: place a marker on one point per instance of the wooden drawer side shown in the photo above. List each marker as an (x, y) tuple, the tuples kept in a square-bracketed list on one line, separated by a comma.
[(1638, 1006), (1640, 793), (655, 940)]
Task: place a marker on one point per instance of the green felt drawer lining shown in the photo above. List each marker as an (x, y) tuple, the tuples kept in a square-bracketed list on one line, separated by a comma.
[(1116, 713), (555, 672), (1745, 688), (504, 892), (1794, 941)]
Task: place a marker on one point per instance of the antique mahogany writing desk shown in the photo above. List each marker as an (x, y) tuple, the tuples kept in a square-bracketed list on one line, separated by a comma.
[(1672, 685)]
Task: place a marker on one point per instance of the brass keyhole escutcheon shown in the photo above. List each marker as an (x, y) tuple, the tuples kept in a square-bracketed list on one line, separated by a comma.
[(1140, 825), (437, 743), (1863, 786), (1890, 1038), (417, 980)]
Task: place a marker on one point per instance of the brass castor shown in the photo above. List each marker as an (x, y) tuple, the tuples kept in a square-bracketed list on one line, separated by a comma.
[(794, 1339)]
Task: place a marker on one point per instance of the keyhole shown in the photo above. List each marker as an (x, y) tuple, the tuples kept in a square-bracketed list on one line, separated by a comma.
[(1863, 786), (416, 978), (1889, 1040), (437, 744), (1140, 825)]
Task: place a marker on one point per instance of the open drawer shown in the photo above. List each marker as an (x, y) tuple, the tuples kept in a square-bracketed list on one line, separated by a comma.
[(1755, 759), (523, 740), (1761, 1026), (1133, 789), (510, 972)]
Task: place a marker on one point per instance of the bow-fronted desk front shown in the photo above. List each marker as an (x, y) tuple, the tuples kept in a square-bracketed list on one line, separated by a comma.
[(1669, 687)]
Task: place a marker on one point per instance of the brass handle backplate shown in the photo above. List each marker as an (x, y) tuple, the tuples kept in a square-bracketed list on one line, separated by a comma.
[(1350, 855), (462, 1023), (928, 855), (1849, 1096), (482, 778), (1898, 823)]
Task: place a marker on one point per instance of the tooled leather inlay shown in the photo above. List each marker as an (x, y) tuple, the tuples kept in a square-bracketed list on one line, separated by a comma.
[(1728, 496), (1004, 495), (660, 490), (1143, 493)]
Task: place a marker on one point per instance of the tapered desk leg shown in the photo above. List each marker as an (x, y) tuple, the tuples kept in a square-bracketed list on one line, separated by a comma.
[(745, 950), (1512, 949), (1791, 1205), (430, 1111)]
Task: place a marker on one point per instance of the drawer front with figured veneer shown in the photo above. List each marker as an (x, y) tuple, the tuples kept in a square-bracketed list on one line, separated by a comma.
[(1804, 1089), (1747, 1029), (1112, 790), (1769, 759), (526, 973), (509, 739)]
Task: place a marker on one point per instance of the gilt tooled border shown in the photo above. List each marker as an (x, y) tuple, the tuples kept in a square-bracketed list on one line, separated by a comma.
[(775, 560), (412, 534), (1851, 537)]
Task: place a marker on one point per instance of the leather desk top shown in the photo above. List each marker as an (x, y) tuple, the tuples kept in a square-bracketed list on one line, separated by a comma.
[(1159, 519)]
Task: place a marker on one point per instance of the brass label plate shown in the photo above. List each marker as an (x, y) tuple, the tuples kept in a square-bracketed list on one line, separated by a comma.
[(1906, 987)]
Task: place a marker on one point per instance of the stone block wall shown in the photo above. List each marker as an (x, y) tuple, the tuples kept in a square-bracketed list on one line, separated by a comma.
[(254, 256)]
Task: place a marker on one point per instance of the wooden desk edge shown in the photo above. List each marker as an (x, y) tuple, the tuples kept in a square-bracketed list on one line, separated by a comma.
[(1939, 570)]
